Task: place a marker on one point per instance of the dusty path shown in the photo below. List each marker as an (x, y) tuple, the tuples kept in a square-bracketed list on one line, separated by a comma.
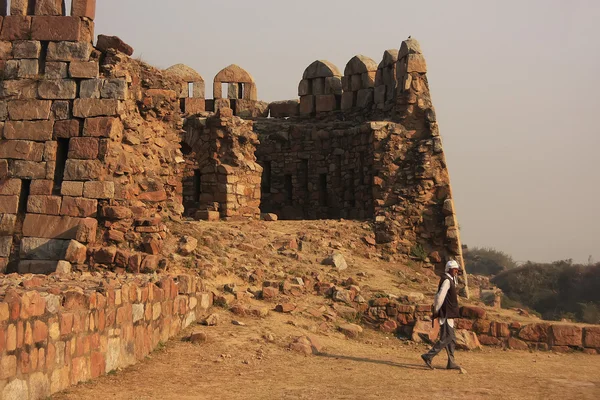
[(238, 363)]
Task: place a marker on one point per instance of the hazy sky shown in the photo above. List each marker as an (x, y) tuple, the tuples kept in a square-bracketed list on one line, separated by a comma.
[(516, 86)]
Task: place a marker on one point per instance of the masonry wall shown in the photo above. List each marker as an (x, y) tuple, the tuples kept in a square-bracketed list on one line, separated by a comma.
[(56, 333), (316, 170)]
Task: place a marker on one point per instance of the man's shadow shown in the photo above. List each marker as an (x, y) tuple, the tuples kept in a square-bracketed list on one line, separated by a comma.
[(370, 360)]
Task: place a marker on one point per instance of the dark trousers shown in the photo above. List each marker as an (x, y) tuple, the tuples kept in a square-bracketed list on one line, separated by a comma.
[(447, 341)]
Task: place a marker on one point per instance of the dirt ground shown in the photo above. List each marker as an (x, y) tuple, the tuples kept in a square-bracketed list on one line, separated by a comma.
[(253, 362)]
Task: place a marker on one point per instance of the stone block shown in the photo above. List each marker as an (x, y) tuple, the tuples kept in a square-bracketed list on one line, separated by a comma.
[(36, 267), (105, 255), (194, 105), (535, 333), (472, 312), (3, 169), (348, 100), (83, 8), (28, 69), (19, 89), (5, 246), (66, 129), (211, 216), (364, 98), (61, 110), (333, 85), (21, 150), (591, 337), (318, 86), (566, 335), (33, 248), (307, 105), (9, 204), (113, 42), (281, 109), (76, 252), (19, 7), (416, 63), (6, 48), (355, 82), (29, 169), (16, 27), (90, 88), (114, 89), (85, 108), (41, 187), (7, 224), (50, 7), (83, 170), (29, 109), (367, 80), (379, 94), (99, 190), (58, 227), (326, 103), (27, 49), (40, 131), (117, 212), (72, 189), (10, 187), (43, 204), (304, 88), (56, 70), (63, 267), (3, 111), (103, 127), (55, 29), (83, 148), (59, 89), (84, 69), (69, 51)]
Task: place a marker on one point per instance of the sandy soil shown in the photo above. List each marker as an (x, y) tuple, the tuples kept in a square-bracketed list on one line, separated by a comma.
[(238, 362)]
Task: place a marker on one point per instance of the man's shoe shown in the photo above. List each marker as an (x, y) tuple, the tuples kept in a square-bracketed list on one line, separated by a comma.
[(453, 366), (427, 361)]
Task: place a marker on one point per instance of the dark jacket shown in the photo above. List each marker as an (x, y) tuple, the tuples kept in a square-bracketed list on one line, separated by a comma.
[(449, 308)]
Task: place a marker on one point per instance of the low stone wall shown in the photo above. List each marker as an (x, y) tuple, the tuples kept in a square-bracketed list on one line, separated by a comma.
[(476, 328), (56, 332)]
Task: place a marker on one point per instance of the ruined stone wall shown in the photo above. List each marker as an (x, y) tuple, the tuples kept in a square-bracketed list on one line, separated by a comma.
[(316, 170), (87, 135), (226, 176), (56, 332)]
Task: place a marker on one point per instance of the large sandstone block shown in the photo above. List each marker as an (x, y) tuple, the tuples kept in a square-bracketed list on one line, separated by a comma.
[(114, 89), (59, 89), (28, 169), (73, 189), (66, 129), (16, 27), (535, 333), (19, 7), (36, 267), (113, 42), (193, 105), (103, 127), (5, 246), (90, 88), (99, 190), (281, 109), (591, 337), (79, 207), (307, 105), (76, 252), (39, 204), (348, 100), (19, 89), (566, 335), (56, 70), (21, 150), (83, 170), (304, 88), (69, 51), (84, 8), (58, 29), (50, 7), (9, 204), (41, 187), (85, 108), (83, 148), (40, 131), (10, 187), (28, 69), (61, 110), (63, 227), (326, 103), (43, 249), (364, 99), (29, 109), (27, 49), (84, 69)]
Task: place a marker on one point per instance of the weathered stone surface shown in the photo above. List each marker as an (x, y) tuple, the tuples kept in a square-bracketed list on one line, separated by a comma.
[(116, 212), (41, 187), (535, 333), (66, 129), (36, 267), (351, 330), (82, 170), (113, 42), (44, 204), (63, 267), (29, 130), (27, 49), (29, 169), (187, 245), (516, 344), (79, 207), (7, 223), (472, 312), (15, 26), (21, 150), (105, 255), (69, 51), (325, 103), (336, 260), (9, 204), (43, 249), (57, 89), (83, 69), (90, 88), (282, 109), (10, 187), (566, 335), (76, 252), (50, 7), (56, 29), (84, 108), (61, 110), (73, 189), (29, 109), (84, 8), (56, 70), (99, 190), (425, 331), (466, 340), (591, 336), (83, 148), (114, 89), (5, 246), (55, 227)]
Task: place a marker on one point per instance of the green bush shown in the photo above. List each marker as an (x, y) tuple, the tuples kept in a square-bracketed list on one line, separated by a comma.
[(487, 261)]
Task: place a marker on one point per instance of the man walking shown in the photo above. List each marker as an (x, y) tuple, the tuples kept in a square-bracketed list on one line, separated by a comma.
[(446, 309)]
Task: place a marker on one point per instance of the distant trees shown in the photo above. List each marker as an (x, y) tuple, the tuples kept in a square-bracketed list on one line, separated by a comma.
[(487, 261)]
